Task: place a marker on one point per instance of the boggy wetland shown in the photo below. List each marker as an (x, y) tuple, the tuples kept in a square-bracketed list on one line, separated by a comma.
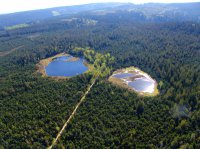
[(64, 65)]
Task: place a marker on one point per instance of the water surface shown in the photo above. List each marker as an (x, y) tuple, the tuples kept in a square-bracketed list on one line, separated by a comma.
[(142, 85), (61, 66)]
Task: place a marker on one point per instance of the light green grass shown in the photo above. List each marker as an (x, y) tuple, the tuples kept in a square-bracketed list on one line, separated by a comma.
[(16, 26)]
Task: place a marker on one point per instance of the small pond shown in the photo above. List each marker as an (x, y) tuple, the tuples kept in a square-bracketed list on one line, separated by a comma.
[(64, 66), (142, 85), (135, 79)]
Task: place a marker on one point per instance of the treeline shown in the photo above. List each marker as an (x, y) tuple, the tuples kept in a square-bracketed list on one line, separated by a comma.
[(33, 109)]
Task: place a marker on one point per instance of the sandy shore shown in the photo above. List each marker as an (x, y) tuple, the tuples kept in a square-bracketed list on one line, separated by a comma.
[(40, 67), (123, 82), (44, 62)]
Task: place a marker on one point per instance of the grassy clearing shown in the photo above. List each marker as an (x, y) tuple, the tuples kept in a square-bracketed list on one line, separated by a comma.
[(16, 26)]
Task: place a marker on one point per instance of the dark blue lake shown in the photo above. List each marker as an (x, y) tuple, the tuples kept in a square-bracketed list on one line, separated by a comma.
[(62, 66)]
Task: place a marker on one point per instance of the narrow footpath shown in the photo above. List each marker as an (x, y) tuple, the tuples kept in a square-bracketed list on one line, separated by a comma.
[(4, 53), (71, 116)]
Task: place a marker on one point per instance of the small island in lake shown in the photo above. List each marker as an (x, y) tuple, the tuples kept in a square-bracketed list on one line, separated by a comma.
[(61, 66), (134, 79)]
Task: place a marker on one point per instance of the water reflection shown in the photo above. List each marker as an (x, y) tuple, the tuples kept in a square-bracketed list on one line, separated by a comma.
[(137, 81), (62, 66)]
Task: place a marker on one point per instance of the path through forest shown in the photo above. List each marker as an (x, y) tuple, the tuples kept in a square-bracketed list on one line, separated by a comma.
[(4, 53), (72, 114)]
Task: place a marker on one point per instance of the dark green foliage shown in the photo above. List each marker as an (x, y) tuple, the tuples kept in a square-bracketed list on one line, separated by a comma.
[(33, 109)]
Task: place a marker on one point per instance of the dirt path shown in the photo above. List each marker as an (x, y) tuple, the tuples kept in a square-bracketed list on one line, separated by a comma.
[(71, 116), (10, 51)]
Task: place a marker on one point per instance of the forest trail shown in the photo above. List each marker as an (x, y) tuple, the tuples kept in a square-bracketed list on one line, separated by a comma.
[(10, 51), (72, 114)]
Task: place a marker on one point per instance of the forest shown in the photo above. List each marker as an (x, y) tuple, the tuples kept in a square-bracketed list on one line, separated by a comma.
[(34, 108)]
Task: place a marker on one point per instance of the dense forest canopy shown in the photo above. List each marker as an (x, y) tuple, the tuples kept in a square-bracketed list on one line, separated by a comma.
[(34, 108)]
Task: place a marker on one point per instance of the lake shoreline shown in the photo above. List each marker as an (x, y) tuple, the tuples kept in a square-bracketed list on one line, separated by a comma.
[(45, 62), (41, 66), (139, 74)]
